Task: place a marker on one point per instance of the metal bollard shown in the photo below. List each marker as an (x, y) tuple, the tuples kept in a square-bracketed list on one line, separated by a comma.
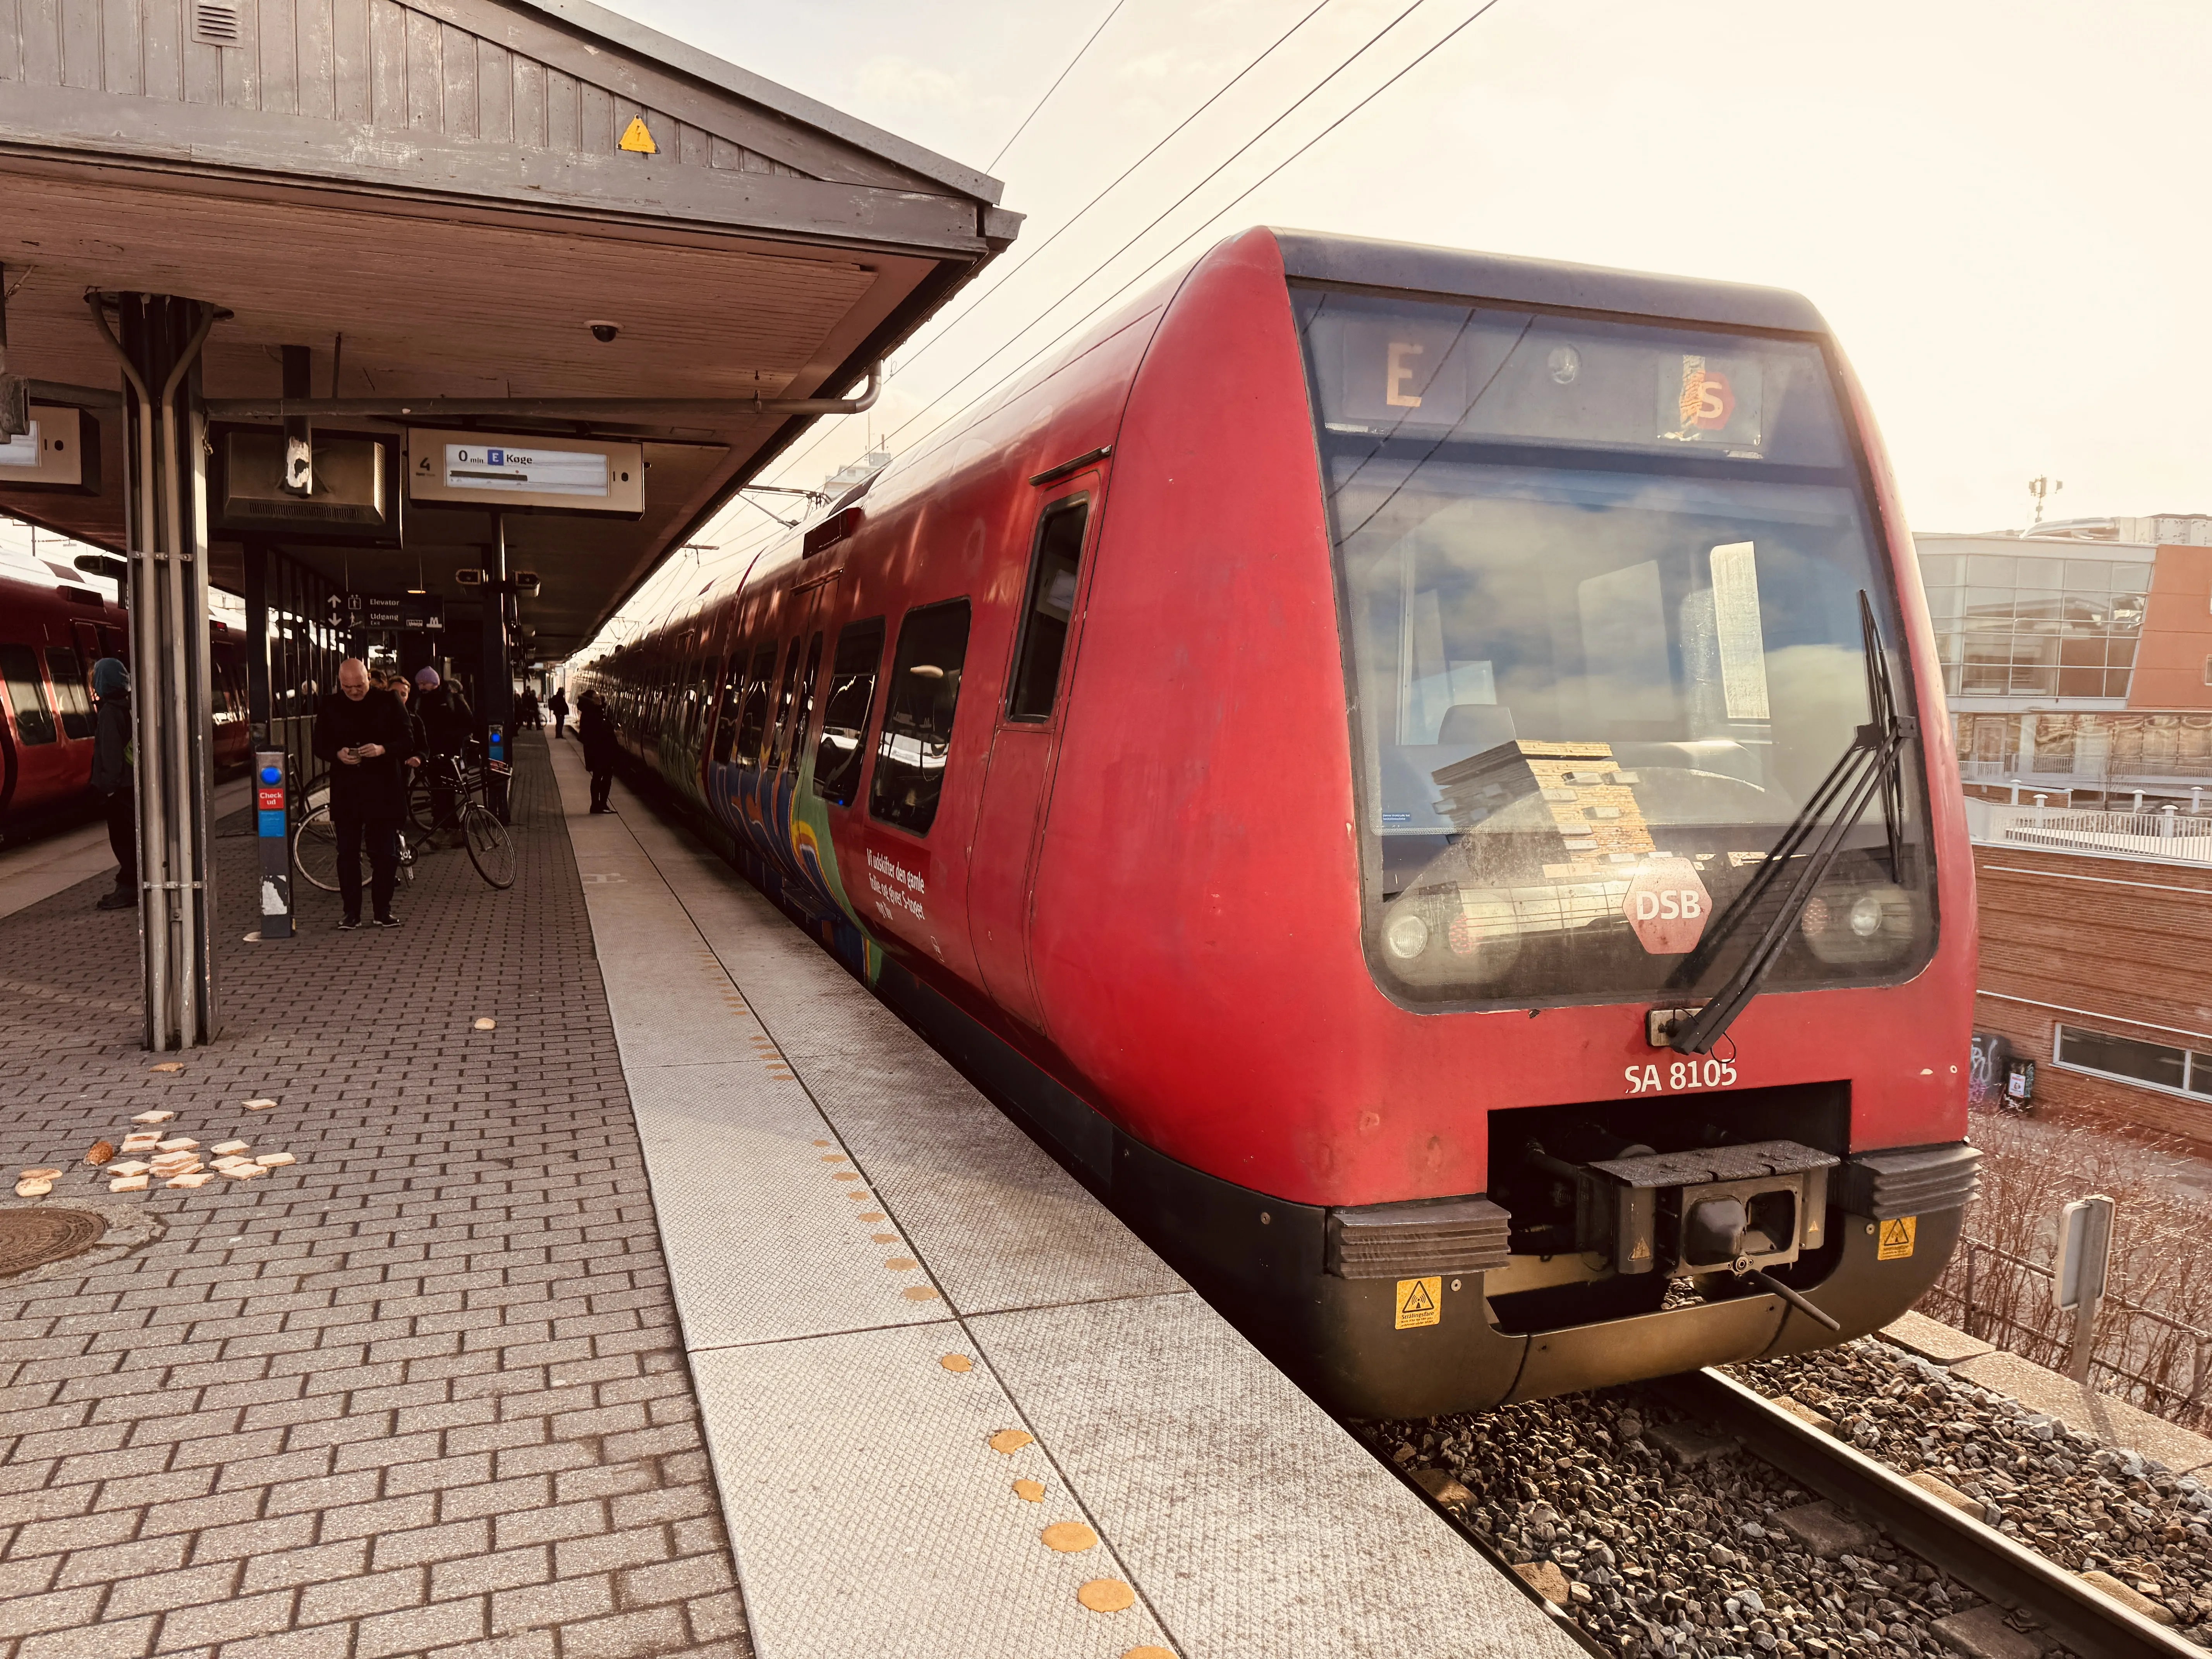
[(273, 828), (2077, 1285)]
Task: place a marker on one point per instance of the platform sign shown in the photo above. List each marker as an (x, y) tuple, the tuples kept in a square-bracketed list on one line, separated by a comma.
[(523, 473), (272, 828)]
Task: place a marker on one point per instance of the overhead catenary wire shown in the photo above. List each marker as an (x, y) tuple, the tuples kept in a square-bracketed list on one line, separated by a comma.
[(1055, 87), (1212, 220), (1297, 104), (1026, 256)]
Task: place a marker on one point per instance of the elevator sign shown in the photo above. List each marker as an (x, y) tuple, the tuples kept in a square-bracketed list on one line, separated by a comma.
[(518, 472)]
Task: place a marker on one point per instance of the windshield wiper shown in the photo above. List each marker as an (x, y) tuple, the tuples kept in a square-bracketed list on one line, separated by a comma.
[(1870, 767)]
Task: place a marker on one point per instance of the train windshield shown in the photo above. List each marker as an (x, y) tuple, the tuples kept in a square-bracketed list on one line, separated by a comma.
[(1601, 587)]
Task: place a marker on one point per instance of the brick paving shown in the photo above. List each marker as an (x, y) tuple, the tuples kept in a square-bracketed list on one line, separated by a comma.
[(421, 1393)]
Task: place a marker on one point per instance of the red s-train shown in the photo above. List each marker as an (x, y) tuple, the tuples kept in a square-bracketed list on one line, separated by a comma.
[(1406, 767), (51, 634)]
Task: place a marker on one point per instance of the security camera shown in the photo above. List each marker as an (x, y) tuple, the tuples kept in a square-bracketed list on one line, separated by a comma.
[(603, 333)]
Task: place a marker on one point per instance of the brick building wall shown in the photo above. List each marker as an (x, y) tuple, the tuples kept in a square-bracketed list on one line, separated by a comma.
[(2117, 946)]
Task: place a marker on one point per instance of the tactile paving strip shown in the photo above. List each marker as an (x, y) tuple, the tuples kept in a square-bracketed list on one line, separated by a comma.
[(1000, 1224), (762, 1241), (1255, 1524), (884, 1523)]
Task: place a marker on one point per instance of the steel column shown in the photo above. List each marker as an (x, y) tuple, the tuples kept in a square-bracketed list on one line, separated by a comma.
[(165, 495), (495, 684)]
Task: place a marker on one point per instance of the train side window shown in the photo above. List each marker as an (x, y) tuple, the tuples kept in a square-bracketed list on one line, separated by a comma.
[(726, 716), (27, 694), (70, 690), (111, 642), (752, 725), (838, 760), (807, 677), (924, 689), (1051, 606), (780, 745)]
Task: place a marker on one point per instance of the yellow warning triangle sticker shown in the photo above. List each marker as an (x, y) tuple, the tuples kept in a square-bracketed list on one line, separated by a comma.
[(638, 138), (1419, 1300)]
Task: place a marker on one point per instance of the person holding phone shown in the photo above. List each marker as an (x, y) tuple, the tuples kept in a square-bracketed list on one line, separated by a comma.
[(366, 737)]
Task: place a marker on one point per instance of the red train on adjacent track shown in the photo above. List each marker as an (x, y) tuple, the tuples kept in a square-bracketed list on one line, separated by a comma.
[(1422, 774), (51, 634)]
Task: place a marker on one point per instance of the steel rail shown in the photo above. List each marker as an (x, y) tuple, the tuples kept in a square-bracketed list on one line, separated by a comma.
[(2089, 1622)]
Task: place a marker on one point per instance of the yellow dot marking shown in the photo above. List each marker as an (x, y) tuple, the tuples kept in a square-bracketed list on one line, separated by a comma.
[(487, 1025), (858, 1196), (1148, 1653), (1029, 1492), (957, 1362), (901, 1264), (844, 1174), (1106, 1595), (834, 1157), (1069, 1537), (919, 1293), (872, 1215), (1007, 1442), (822, 1143)]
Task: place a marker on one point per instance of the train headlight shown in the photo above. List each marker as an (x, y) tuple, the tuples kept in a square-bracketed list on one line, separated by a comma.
[(1407, 936), (1862, 924)]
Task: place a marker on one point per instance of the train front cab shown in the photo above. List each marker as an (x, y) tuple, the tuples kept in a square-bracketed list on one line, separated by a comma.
[(1602, 549)]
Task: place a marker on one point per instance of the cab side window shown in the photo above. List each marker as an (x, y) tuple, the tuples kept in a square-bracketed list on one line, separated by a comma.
[(1050, 607), (27, 694), (924, 689), (70, 690), (838, 760)]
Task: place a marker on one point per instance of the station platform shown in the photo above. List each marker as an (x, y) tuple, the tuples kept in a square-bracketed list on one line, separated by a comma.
[(698, 1306)]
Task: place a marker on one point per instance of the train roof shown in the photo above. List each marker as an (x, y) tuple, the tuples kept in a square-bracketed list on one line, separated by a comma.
[(1362, 263)]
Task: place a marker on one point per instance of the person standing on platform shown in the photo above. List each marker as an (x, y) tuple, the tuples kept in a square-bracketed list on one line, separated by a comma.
[(113, 775), (449, 723), (558, 705), (365, 738), (597, 734), (526, 708)]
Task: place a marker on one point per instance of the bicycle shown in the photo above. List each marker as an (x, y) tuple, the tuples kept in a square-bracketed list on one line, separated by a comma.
[(315, 851), (492, 849)]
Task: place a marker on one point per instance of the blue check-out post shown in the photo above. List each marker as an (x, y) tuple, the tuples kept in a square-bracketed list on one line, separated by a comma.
[(497, 770), (273, 829)]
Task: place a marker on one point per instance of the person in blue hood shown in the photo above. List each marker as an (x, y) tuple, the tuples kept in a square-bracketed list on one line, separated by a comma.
[(113, 775)]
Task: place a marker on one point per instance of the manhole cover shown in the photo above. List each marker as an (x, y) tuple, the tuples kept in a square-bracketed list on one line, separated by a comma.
[(32, 1238)]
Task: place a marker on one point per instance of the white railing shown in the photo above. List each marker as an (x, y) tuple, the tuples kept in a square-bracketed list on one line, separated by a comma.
[(2168, 837)]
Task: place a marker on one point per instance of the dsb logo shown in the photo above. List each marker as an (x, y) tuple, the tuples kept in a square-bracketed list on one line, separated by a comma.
[(1666, 905), (1672, 903)]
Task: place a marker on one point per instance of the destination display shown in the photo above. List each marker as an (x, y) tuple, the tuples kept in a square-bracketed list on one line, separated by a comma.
[(558, 475)]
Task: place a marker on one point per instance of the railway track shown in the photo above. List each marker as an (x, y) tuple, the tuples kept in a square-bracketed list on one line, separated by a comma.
[(2090, 1623)]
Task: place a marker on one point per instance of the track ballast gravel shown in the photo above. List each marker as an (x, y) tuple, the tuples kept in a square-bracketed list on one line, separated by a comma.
[(1687, 1559)]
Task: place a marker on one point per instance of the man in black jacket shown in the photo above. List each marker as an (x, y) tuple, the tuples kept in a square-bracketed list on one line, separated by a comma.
[(111, 777), (365, 736), (600, 749)]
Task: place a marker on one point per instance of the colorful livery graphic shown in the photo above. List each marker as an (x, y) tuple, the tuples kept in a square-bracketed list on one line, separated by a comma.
[(1419, 775)]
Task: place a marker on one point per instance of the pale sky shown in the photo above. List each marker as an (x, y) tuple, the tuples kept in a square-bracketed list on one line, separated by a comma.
[(2000, 206)]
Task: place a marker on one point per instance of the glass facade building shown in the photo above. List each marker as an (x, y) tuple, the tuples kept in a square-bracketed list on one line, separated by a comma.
[(2036, 624), (2041, 642)]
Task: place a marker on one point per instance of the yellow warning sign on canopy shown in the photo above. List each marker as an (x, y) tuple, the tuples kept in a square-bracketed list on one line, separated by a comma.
[(636, 136), (1420, 1302), (1896, 1241)]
